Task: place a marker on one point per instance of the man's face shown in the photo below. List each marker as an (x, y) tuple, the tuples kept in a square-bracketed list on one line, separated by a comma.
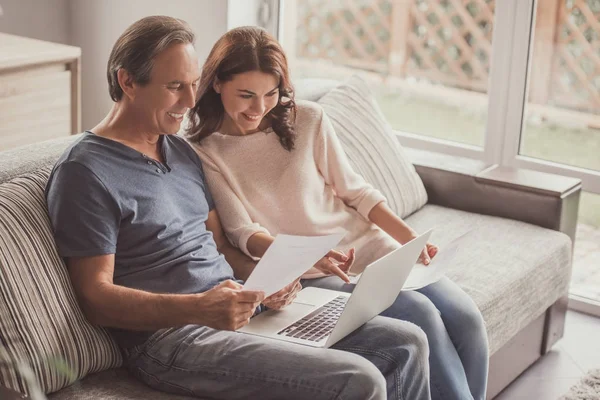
[(171, 92), (247, 99)]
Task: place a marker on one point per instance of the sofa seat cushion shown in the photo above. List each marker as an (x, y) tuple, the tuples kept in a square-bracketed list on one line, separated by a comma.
[(41, 324), (513, 271), (114, 384)]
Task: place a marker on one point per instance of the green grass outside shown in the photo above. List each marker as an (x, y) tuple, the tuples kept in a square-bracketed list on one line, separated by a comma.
[(571, 146)]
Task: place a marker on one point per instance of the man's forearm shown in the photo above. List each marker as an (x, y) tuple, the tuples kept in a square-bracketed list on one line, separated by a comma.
[(120, 307)]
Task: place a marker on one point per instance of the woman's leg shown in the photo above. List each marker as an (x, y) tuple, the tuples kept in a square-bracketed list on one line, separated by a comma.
[(466, 328), (447, 375)]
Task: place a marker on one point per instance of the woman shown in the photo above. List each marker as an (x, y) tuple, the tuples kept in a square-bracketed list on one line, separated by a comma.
[(276, 166)]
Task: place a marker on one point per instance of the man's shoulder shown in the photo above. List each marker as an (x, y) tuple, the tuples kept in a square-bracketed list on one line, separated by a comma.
[(84, 161), (180, 143), (184, 148), (83, 151)]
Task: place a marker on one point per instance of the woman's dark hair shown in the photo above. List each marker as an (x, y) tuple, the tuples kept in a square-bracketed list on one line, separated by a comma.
[(242, 50), (138, 46)]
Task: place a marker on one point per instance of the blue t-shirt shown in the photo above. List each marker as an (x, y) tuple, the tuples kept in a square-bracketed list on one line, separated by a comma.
[(107, 198)]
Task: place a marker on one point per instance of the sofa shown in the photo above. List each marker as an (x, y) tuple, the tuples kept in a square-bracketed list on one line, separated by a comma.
[(516, 266)]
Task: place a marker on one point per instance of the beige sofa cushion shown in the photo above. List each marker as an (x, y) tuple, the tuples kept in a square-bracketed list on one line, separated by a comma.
[(371, 146), (115, 384), (40, 319), (513, 271)]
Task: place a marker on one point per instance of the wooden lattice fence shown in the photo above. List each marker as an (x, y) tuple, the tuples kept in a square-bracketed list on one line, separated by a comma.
[(450, 42)]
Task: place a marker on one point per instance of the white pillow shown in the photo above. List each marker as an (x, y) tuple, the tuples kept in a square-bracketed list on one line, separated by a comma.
[(371, 146)]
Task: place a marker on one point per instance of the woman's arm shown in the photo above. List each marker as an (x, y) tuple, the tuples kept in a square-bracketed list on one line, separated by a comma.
[(382, 216), (234, 219), (259, 243), (337, 172), (334, 262)]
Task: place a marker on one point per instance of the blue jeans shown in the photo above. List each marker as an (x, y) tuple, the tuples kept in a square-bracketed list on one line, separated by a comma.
[(385, 358), (458, 347)]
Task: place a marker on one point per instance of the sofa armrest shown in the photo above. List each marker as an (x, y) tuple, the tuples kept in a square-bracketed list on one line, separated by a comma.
[(542, 199)]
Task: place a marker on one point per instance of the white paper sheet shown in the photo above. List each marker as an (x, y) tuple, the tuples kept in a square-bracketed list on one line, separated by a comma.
[(422, 275), (288, 258)]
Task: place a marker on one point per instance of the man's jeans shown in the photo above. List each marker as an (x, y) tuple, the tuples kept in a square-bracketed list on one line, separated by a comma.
[(385, 358), (458, 347)]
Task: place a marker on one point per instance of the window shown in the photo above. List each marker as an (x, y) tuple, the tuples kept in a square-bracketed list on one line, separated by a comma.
[(511, 82), (563, 110), (561, 127), (428, 60)]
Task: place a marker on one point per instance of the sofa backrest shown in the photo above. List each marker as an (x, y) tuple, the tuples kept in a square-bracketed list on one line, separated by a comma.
[(313, 89), (41, 324), (372, 148), (30, 158)]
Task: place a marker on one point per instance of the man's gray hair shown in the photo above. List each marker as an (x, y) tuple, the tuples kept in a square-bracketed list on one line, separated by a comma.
[(137, 47)]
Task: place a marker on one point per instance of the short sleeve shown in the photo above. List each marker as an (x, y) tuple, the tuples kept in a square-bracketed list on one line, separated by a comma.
[(85, 217), (195, 158), (207, 192)]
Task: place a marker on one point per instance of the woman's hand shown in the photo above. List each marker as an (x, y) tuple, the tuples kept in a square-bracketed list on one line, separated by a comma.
[(336, 263), (284, 297), (428, 253)]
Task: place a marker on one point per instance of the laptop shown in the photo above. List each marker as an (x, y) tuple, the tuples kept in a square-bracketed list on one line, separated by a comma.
[(321, 317)]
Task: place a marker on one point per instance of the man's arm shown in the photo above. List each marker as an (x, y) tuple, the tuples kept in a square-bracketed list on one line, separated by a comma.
[(242, 264), (225, 306)]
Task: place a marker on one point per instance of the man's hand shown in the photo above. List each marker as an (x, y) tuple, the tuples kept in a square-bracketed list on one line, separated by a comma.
[(284, 297), (428, 253), (336, 263), (227, 306)]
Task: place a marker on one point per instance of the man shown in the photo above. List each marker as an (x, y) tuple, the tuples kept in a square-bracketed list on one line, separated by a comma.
[(134, 220)]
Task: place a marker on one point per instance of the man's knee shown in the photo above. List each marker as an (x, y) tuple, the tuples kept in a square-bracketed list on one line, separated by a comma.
[(400, 330), (365, 382), (416, 338)]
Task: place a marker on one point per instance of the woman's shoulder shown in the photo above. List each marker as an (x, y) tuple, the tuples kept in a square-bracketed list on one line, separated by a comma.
[(309, 108), (309, 115), (202, 149)]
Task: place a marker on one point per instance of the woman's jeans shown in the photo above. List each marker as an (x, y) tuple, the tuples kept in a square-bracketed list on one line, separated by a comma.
[(458, 347)]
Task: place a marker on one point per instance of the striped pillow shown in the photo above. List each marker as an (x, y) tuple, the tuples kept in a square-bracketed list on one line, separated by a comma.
[(40, 320), (371, 146)]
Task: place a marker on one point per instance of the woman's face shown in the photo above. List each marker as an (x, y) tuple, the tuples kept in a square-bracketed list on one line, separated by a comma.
[(247, 99)]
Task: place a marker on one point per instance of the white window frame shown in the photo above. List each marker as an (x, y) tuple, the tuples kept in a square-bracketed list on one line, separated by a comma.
[(508, 153)]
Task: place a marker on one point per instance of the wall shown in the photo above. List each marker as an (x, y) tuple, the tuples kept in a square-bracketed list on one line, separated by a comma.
[(254, 12), (96, 25), (38, 19)]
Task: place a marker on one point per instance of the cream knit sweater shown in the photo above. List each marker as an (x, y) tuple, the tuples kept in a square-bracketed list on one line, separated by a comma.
[(258, 186)]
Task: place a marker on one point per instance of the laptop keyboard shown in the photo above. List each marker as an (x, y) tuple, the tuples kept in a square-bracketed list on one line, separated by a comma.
[(319, 323)]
